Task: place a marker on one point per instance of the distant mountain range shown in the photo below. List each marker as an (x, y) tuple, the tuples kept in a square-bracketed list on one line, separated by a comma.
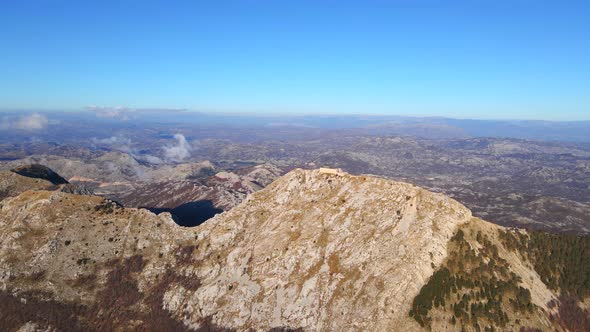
[(512, 182), (92, 124)]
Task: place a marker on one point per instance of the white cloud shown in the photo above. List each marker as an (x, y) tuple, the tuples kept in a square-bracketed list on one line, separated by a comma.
[(119, 112), (150, 159), (118, 140), (178, 152), (125, 145), (33, 121)]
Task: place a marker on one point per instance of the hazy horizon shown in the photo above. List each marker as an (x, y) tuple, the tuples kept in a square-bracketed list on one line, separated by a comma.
[(278, 114)]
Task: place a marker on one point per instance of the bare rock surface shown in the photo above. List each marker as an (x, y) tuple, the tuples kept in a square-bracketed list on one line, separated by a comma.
[(313, 247), (311, 251)]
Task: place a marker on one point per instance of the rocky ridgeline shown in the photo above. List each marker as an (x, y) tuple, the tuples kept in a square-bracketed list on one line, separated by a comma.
[(223, 189), (33, 177), (323, 251), (314, 251)]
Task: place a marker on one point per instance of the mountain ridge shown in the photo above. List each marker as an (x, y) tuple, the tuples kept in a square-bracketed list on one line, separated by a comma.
[(311, 251)]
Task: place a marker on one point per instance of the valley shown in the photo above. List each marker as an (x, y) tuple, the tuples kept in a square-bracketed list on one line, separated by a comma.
[(511, 182)]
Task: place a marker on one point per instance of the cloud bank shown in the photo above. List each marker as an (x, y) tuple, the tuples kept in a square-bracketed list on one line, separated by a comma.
[(178, 152), (150, 159), (119, 141), (124, 113), (33, 121), (124, 144), (119, 112)]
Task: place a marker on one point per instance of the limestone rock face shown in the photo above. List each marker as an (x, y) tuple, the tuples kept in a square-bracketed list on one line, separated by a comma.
[(322, 252), (312, 251), (82, 263)]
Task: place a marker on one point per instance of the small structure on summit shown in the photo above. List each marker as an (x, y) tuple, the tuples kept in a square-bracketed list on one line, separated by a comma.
[(333, 171)]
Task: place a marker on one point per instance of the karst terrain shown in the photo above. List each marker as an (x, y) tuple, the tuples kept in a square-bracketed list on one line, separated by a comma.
[(312, 251)]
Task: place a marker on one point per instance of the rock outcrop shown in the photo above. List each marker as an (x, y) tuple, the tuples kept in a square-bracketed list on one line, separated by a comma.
[(38, 171), (323, 252), (311, 251), (28, 177)]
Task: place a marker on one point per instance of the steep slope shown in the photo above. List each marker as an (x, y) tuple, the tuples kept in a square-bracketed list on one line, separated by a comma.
[(40, 172), (109, 167), (193, 191), (82, 263), (224, 189), (193, 201), (27, 177), (35, 177), (312, 251), (182, 171), (314, 247), (114, 167)]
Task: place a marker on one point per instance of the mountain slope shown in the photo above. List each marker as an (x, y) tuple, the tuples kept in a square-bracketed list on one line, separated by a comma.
[(28, 177), (224, 189), (192, 201), (312, 247), (312, 251), (40, 172)]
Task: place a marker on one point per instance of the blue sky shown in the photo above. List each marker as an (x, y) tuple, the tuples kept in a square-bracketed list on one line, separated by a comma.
[(470, 59)]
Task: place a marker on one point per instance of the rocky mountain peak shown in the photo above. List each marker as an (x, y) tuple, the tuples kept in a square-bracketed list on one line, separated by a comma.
[(314, 246), (316, 250)]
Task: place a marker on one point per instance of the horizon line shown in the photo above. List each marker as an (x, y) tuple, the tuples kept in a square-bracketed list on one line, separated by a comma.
[(267, 113)]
